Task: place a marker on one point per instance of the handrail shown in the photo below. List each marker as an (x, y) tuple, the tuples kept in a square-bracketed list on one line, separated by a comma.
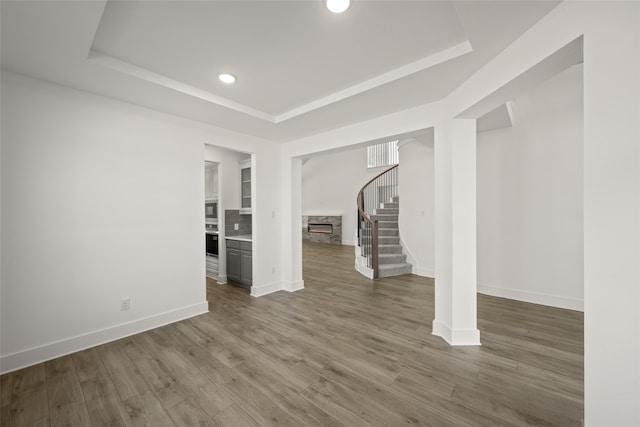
[(389, 183)]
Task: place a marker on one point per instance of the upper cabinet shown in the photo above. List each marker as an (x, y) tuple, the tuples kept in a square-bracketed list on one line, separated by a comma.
[(245, 186), (210, 180)]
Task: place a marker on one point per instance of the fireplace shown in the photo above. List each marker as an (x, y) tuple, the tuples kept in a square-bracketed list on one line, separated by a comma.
[(322, 229)]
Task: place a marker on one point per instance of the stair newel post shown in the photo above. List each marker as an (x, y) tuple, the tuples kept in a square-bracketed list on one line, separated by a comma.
[(374, 248)]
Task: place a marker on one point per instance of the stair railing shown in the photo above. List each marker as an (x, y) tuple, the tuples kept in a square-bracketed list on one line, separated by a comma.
[(382, 188)]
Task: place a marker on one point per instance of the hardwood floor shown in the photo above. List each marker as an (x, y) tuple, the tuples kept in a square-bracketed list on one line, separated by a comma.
[(345, 351)]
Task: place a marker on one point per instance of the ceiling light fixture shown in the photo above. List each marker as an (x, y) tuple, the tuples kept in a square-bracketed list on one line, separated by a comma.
[(227, 78), (338, 6)]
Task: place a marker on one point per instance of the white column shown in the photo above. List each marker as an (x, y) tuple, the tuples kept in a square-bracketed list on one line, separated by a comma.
[(612, 215), (455, 232), (292, 225)]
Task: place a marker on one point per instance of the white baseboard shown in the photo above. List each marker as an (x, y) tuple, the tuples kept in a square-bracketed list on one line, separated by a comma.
[(532, 297), (22, 359), (348, 243), (293, 286), (222, 280), (456, 336), (424, 272), (258, 291)]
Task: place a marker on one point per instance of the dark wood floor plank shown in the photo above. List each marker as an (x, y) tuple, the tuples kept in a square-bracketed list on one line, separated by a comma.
[(29, 401), (234, 416), (66, 401), (189, 414), (104, 403), (331, 405), (260, 404), (146, 410), (344, 351), (286, 395), (127, 379)]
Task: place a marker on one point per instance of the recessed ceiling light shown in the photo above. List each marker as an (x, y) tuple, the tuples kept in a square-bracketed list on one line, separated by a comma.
[(338, 6), (227, 78)]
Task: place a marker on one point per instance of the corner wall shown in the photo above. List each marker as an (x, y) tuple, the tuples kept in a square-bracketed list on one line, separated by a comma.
[(529, 201), (102, 200), (98, 205)]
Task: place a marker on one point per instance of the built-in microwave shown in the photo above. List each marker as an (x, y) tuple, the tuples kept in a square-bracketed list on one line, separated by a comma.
[(211, 211)]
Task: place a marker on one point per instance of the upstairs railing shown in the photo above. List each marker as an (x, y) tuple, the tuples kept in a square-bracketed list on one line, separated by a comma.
[(381, 189)]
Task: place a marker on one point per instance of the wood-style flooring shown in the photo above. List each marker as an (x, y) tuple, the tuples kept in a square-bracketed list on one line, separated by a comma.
[(345, 351)]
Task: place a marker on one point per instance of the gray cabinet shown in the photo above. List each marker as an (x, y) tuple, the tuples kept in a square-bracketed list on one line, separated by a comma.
[(239, 260)]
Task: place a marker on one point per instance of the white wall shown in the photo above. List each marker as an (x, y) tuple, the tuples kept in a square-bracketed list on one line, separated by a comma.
[(416, 220), (330, 184), (98, 205), (529, 183), (103, 200)]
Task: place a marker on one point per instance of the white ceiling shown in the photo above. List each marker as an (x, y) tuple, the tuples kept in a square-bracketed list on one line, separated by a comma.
[(301, 69)]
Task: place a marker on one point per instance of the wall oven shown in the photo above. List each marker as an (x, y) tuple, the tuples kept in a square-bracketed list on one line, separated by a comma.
[(211, 244)]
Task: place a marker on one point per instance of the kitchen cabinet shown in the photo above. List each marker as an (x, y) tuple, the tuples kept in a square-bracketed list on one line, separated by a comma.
[(210, 180), (246, 259), (245, 186), (239, 260)]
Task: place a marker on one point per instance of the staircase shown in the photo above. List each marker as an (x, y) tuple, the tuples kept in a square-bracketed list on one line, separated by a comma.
[(391, 260), (379, 253)]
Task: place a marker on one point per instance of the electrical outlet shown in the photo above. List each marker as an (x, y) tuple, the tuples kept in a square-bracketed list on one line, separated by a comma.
[(236, 227), (125, 304)]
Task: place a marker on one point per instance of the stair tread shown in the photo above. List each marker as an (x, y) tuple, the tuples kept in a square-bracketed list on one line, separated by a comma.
[(394, 265), (386, 259), (388, 224), (390, 270)]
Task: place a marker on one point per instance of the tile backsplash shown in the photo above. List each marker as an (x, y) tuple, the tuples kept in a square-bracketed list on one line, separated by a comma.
[(232, 217)]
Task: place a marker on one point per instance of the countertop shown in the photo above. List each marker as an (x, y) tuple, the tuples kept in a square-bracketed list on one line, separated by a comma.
[(240, 238)]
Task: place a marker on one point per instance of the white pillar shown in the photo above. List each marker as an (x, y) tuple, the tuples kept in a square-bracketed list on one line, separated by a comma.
[(455, 232), (292, 225), (612, 215)]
